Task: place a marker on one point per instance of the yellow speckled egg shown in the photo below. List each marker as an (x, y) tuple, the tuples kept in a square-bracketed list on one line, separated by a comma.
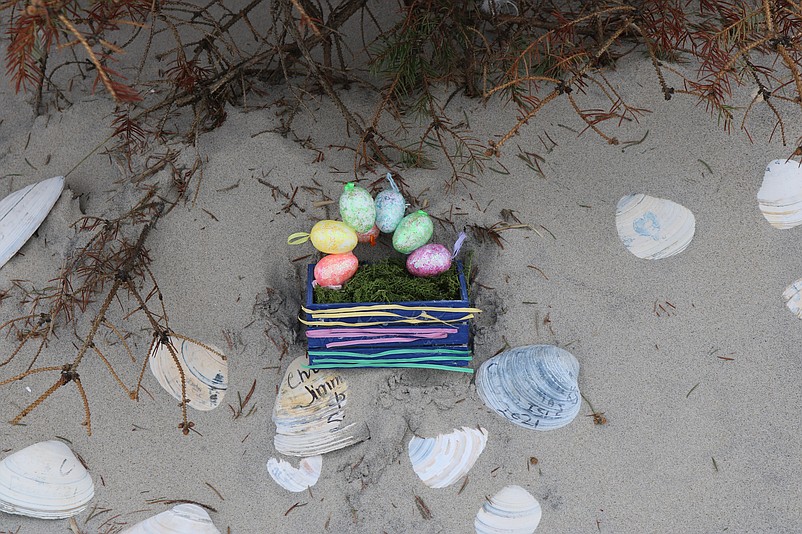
[(333, 237), (335, 269), (414, 231)]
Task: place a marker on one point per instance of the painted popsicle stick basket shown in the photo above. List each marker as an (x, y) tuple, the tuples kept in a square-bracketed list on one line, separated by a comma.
[(430, 334)]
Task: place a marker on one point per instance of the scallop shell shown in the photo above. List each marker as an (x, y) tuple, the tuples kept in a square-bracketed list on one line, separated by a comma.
[(46, 481), (205, 372), (793, 298), (23, 211), (780, 195), (310, 414), (292, 479), (534, 386), (510, 511), (441, 461), (653, 228), (182, 519)]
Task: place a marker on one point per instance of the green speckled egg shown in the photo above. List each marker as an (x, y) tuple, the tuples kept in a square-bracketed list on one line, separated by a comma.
[(414, 231), (357, 208)]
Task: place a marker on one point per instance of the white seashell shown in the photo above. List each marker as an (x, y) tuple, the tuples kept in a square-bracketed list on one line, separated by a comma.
[(205, 372), (23, 211), (499, 7), (653, 228), (510, 511), (534, 386), (780, 195), (181, 519), (46, 481), (793, 298), (292, 479), (441, 461), (310, 412)]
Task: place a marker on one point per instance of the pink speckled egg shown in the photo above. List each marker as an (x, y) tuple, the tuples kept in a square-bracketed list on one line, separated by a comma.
[(369, 236), (335, 269), (429, 260)]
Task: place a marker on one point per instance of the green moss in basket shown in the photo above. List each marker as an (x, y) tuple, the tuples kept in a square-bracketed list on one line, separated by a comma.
[(388, 281)]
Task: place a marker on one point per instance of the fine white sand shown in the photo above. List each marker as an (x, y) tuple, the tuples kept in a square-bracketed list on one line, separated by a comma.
[(693, 443)]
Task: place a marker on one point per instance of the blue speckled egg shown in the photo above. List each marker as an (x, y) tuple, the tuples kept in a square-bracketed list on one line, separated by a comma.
[(390, 208)]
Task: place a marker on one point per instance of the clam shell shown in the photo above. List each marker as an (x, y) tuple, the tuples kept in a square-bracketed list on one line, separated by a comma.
[(534, 386), (205, 372), (46, 481), (310, 413), (23, 211), (793, 298), (780, 195), (653, 228), (510, 511), (295, 479), (182, 519), (441, 461)]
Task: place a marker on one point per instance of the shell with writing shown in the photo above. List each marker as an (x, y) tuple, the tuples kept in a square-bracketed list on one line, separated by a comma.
[(534, 386), (310, 413)]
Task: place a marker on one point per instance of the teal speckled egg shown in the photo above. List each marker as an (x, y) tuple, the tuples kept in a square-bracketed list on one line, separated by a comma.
[(390, 208), (414, 231), (357, 208)]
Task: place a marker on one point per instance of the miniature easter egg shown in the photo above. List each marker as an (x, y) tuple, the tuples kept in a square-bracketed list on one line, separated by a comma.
[(390, 207), (357, 208), (333, 237), (414, 231), (429, 260), (335, 269), (369, 236)]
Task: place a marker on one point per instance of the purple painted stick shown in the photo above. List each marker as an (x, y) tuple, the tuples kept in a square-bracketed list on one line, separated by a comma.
[(430, 333)]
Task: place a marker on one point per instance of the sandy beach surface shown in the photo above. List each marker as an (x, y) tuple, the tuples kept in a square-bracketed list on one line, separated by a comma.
[(693, 360)]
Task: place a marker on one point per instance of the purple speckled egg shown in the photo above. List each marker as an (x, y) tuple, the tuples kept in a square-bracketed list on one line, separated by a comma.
[(429, 260)]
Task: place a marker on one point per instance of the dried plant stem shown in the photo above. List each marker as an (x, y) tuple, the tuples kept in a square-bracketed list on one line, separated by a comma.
[(161, 337), (31, 372), (101, 71), (114, 374), (35, 404), (87, 422)]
